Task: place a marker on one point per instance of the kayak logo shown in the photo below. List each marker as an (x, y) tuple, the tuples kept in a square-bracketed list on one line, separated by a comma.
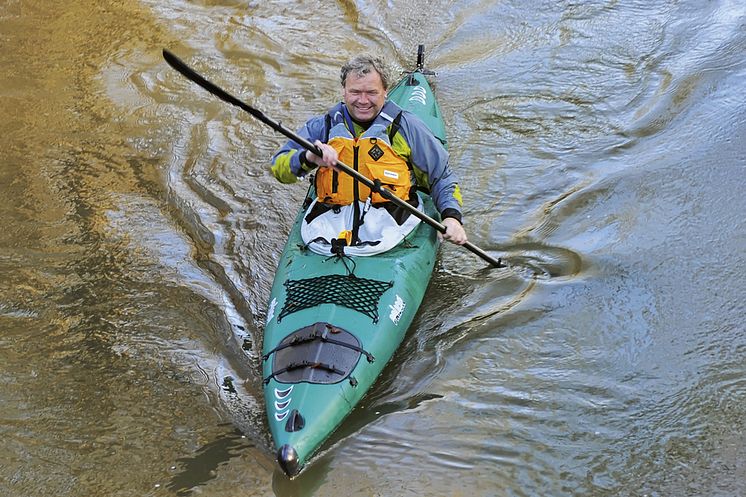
[(419, 95), (271, 310), (282, 403), (397, 309)]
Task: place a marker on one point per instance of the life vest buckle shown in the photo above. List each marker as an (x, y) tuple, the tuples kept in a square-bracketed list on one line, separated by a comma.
[(345, 235), (344, 239)]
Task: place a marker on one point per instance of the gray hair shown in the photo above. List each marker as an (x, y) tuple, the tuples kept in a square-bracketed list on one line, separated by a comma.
[(363, 64)]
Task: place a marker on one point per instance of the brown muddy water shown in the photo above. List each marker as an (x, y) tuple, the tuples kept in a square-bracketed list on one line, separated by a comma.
[(602, 151)]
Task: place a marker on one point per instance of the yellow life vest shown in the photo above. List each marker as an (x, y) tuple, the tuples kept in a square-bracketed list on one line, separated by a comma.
[(372, 155), (374, 159)]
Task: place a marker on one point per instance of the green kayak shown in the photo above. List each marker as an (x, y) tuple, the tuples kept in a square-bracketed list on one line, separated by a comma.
[(333, 323)]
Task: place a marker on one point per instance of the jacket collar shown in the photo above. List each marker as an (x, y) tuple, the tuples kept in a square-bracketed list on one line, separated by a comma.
[(389, 111)]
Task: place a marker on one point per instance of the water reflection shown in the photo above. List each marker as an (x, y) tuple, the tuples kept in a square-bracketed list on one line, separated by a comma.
[(204, 465)]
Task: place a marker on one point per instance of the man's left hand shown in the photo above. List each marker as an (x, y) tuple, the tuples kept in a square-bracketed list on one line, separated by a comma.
[(454, 231)]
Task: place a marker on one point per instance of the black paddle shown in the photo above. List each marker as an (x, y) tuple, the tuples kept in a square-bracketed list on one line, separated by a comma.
[(190, 74)]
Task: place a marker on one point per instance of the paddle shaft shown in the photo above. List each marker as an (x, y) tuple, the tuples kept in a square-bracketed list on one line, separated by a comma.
[(375, 186)]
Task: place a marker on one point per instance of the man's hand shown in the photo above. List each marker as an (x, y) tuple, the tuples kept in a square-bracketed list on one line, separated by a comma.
[(329, 158), (454, 231)]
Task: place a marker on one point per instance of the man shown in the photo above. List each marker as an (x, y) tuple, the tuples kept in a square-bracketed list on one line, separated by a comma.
[(384, 143)]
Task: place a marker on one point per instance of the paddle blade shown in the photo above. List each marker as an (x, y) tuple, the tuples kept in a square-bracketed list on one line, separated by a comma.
[(195, 77)]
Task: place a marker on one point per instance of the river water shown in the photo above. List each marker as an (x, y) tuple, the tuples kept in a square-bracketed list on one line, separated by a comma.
[(602, 151)]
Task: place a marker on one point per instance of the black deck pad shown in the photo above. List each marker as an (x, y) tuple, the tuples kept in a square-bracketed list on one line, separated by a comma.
[(304, 355)]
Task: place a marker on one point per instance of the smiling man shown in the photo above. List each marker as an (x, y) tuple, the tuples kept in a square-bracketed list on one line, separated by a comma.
[(383, 142)]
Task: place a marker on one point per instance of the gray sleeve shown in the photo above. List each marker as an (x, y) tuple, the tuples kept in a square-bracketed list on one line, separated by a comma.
[(287, 155), (430, 156)]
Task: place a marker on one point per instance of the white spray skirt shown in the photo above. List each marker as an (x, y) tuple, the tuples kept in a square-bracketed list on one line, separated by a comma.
[(378, 226)]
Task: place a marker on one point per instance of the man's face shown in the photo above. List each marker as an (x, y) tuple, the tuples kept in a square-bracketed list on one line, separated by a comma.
[(364, 96)]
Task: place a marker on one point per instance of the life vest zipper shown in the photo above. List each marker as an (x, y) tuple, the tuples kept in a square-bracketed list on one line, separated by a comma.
[(355, 195)]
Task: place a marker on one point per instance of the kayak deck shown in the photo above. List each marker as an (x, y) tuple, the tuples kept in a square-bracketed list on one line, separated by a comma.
[(333, 324)]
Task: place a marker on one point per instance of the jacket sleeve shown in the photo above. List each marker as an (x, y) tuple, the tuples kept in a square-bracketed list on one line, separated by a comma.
[(429, 156), (286, 165)]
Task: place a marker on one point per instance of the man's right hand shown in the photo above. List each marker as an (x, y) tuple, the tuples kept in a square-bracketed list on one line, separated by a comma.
[(329, 158)]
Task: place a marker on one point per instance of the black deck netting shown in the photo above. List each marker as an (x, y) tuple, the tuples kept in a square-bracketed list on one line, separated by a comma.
[(359, 294)]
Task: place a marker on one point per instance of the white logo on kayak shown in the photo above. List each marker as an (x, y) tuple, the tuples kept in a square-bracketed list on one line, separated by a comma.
[(282, 402), (271, 310), (419, 95), (397, 309)]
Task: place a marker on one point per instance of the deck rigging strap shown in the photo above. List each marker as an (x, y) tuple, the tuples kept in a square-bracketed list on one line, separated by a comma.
[(323, 336), (302, 365)]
